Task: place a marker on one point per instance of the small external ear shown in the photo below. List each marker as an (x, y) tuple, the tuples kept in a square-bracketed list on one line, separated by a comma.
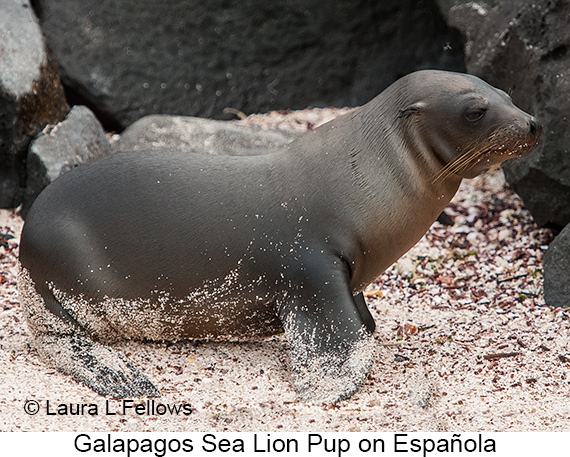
[(412, 109)]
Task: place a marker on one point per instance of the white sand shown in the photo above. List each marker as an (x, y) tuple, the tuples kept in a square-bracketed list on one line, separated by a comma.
[(434, 329)]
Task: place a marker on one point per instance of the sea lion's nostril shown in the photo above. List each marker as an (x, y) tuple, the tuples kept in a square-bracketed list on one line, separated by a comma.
[(534, 126)]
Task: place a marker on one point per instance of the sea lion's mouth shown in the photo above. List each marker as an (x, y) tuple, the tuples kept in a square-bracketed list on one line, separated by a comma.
[(482, 155)]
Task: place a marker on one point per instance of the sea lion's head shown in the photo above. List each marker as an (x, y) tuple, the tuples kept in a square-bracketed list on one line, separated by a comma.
[(468, 125)]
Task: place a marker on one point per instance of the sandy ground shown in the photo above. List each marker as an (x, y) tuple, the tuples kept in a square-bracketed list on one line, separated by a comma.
[(464, 343)]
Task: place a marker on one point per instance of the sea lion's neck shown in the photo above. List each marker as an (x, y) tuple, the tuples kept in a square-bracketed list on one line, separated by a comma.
[(367, 151), (384, 188), (403, 167), (415, 156)]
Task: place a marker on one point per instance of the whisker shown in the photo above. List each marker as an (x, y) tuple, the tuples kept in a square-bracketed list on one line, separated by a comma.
[(456, 165), (502, 142)]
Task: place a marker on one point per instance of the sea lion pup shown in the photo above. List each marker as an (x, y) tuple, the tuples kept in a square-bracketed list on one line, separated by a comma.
[(167, 246)]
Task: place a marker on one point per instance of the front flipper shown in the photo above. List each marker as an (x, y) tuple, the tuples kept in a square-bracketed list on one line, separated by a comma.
[(330, 334), (106, 371)]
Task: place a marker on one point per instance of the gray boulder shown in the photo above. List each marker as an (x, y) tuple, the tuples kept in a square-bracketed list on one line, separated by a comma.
[(200, 136), (31, 95), (59, 148), (557, 271), (523, 48), (81, 138), (128, 58)]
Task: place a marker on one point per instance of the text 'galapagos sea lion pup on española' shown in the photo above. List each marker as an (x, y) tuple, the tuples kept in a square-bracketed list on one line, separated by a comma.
[(168, 246)]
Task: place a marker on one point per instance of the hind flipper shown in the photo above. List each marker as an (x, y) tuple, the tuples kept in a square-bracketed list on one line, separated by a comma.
[(105, 370), (65, 345)]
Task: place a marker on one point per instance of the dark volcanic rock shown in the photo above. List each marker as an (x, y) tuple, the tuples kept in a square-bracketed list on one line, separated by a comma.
[(59, 148), (129, 58), (200, 136), (557, 271), (31, 95), (523, 47)]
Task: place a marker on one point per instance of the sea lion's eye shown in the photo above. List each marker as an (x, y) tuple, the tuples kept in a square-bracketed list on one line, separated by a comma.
[(475, 115)]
